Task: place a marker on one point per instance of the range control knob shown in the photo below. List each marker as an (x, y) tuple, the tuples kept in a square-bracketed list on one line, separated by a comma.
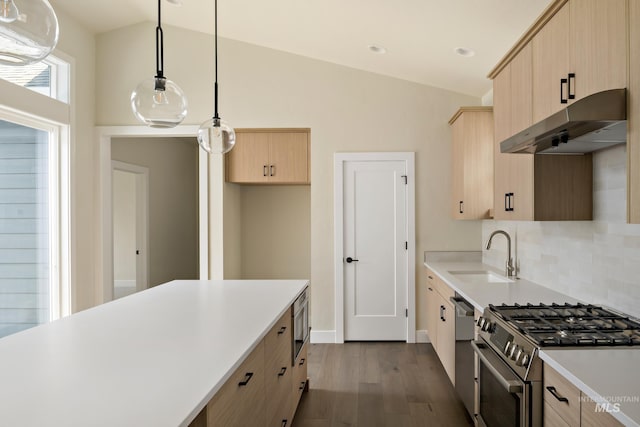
[(507, 347), (513, 352), (519, 354), (481, 322), (486, 325), (524, 360)]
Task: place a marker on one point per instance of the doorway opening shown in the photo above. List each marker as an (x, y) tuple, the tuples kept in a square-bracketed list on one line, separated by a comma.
[(130, 210)]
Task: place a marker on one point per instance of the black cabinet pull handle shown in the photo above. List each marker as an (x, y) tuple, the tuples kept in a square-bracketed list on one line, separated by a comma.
[(431, 289), (506, 206), (302, 384), (284, 423), (282, 371), (563, 82), (461, 207), (571, 76), (553, 391), (430, 277), (301, 361), (272, 170), (264, 170), (282, 329), (247, 378), (442, 313), (350, 260)]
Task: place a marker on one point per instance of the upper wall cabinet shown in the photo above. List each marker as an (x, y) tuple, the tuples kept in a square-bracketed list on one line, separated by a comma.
[(581, 50), (269, 156), (472, 162), (633, 121)]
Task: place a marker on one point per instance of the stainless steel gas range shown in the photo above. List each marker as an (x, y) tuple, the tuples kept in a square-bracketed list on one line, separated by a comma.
[(510, 371)]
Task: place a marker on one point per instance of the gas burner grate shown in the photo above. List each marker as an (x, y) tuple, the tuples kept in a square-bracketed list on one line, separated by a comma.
[(571, 324)]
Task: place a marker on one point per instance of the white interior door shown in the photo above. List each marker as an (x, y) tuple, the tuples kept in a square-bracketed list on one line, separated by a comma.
[(375, 250)]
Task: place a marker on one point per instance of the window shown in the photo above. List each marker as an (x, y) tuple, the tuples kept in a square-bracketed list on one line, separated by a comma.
[(34, 197), (49, 77)]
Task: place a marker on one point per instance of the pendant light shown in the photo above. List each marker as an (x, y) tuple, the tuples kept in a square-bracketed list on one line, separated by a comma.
[(28, 31), (215, 135), (157, 101)]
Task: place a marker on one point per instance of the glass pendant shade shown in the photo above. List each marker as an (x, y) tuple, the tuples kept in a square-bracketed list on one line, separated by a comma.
[(159, 103), (216, 136), (28, 31)]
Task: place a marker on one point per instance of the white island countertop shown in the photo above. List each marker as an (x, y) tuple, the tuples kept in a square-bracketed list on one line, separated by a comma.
[(154, 358), (604, 374)]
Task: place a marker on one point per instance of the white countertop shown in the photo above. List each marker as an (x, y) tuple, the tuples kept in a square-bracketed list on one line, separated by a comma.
[(154, 358), (480, 295), (604, 374)]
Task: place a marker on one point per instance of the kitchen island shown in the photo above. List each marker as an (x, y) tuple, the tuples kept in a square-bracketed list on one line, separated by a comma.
[(154, 358)]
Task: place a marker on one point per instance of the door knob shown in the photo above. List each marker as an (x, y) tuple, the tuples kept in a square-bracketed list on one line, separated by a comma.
[(350, 260)]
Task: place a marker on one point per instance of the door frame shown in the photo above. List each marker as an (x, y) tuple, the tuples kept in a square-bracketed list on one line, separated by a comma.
[(338, 203), (210, 240), (142, 219)]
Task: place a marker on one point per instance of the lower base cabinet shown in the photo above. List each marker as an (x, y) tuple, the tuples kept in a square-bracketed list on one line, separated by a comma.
[(265, 390), (241, 400)]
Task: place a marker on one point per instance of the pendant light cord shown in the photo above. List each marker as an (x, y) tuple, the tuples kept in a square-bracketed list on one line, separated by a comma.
[(216, 61), (159, 46)]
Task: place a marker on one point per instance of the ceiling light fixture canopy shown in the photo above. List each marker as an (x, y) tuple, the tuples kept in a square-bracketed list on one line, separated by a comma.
[(28, 31), (215, 135), (157, 101)]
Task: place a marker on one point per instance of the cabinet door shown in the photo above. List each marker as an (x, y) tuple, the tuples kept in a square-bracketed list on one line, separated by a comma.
[(458, 156), (633, 122), (550, 61), (433, 311), (521, 90), (278, 372), (599, 45), (594, 416), (288, 157), (241, 400), (478, 165), (299, 378), (248, 162), (447, 338)]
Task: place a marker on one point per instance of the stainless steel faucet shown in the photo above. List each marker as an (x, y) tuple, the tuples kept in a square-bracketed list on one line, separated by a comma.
[(510, 270)]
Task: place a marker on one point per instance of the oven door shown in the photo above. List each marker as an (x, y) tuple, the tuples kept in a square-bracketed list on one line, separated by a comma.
[(502, 398)]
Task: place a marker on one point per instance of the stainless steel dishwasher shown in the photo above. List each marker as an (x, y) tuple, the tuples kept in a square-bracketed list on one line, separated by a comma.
[(464, 352)]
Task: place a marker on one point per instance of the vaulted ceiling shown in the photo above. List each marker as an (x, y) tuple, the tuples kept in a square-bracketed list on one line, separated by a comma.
[(419, 35)]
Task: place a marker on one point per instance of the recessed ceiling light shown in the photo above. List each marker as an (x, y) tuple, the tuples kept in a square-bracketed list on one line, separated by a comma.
[(463, 51), (377, 49)]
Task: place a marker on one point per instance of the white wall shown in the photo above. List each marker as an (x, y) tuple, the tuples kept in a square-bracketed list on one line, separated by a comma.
[(124, 226), (173, 203), (346, 109), (595, 261)]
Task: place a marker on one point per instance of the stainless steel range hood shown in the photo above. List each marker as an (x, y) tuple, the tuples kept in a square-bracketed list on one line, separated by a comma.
[(589, 124)]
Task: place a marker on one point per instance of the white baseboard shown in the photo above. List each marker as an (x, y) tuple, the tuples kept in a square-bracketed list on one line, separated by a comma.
[(422, 337), (323, 337)]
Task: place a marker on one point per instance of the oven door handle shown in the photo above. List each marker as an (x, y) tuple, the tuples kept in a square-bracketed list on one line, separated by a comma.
[(485, 354)]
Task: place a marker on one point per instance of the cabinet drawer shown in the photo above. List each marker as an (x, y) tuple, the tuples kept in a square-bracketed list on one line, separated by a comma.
[(299, 377), (562, 396), (593, 416), (241, 400), (278, 339), (442, 288), (279, 397)]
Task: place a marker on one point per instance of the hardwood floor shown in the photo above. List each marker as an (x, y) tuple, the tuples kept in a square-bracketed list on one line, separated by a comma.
[(378, 384)]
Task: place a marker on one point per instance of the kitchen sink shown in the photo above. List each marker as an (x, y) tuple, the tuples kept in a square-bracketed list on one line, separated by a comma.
[(480, 276)]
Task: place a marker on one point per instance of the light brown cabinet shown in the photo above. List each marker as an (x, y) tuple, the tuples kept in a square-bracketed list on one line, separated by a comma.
[(241, 400), (581, 50), (566, 406), (633, 121), (472, 162), (265, 390), (441, 325), (269, 156), (278, 372)]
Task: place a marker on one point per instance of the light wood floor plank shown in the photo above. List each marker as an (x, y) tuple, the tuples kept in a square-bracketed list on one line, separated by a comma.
[(378, 384)]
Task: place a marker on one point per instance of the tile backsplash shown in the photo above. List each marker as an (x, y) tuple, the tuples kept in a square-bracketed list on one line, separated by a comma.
[(595, 261)]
